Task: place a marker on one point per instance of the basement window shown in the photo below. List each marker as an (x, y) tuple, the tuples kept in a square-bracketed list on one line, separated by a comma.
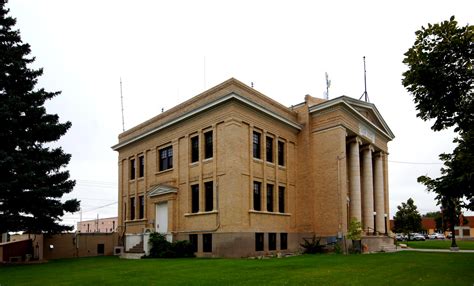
[(272, 241), (283, 241), (193, 240), (259, 241), (207, 242)]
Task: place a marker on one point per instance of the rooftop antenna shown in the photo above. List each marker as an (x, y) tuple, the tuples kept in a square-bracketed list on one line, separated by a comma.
[(121, 100), (328, 85), (365, 95), (204, 76)]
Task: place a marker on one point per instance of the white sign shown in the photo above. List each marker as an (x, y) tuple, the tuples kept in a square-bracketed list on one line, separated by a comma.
[(367, 133)]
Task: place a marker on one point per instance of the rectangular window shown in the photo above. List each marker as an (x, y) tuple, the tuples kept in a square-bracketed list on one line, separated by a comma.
[(141, 209), (281, 199), (132, 169), (283, 241), (272, 241), (256, 145), (193, 240), (132, 208), (269, 198), (257, 194), (194, 149), (141, 166), (208, 149), (281, 153), (258, 241), (209, 196), (207, 242), (269, 148), (166, 158), (195, 198)]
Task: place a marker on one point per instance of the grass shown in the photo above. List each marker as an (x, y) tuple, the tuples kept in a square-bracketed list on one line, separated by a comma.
[(402, 268), (441, 244)]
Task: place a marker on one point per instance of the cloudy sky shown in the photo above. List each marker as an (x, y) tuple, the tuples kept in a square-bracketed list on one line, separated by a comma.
[(168, 51)]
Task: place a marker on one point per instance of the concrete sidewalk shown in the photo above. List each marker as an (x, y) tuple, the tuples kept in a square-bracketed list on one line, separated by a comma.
[(435, 250)]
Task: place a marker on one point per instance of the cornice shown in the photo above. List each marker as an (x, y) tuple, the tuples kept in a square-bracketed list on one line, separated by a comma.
[(346, 103), (203, 108)]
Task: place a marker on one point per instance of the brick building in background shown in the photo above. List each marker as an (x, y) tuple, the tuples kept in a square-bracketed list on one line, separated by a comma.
[(238, 174), (98, 225)]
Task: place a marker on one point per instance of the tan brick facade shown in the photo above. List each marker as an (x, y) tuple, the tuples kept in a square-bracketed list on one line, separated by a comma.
[(233, 166)]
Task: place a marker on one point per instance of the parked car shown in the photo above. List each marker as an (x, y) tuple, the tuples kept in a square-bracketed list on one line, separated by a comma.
[(416, 237), (436, 236), (400, 237), (450, 235)]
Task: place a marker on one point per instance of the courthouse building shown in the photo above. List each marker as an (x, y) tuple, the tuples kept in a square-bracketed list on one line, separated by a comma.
[(238, 174)]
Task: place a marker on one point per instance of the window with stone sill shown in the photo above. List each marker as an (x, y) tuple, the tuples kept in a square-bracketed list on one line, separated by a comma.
[(256, 145), (132, 169), (166, 158), (257, 196), (208, 145), (194, 149), (141, 166)]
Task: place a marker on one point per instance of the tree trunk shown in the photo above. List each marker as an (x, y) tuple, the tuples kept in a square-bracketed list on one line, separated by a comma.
[(453, 236)]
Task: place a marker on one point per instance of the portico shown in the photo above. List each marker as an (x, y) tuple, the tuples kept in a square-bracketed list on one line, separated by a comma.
[(366, 185)]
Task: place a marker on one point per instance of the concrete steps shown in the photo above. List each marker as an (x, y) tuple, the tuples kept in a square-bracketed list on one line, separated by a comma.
[(137, 248), (136, 252), (128, 255), (379, 243), (386, 247)]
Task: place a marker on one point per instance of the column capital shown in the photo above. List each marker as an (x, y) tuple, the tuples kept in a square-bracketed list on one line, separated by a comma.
[(380, 154), (355, 139), (367, 147)]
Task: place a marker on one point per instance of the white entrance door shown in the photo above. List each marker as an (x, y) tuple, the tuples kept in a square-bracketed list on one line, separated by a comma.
[(162, 218)]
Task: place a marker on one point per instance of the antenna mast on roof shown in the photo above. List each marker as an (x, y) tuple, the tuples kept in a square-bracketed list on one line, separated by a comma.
[(365, 95), (204, 73), (328, 84), (121, 101)]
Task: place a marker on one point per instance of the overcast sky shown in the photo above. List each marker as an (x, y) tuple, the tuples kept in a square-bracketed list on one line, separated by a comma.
[(169, 51)]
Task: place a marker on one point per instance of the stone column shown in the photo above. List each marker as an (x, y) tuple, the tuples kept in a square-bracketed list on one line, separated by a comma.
[(354, 179), (367, 189), (379, 193)]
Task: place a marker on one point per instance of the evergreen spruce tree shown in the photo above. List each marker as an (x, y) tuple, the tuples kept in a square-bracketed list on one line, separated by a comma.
[(32, 175)]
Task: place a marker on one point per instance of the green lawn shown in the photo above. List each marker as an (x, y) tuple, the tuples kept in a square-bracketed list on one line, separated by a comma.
[(441, 244), (403, 268)]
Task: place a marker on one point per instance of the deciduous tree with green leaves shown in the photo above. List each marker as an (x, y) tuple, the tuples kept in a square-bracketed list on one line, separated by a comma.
[(441, 79), (407, 219), (32, 175)]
